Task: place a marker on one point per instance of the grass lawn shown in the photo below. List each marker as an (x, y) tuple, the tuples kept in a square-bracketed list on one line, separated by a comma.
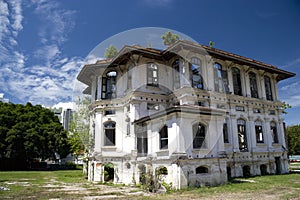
[(72, 185)]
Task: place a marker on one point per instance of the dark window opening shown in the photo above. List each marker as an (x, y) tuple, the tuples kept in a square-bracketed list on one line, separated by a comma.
[(243, 146), (253, 85), (268, 88), (163, 137), (109, 172), (176, 73), (246, 171), (201, 170), (199, 134), (110, 134), (263, 170), (225, 133), (110, 112), (152, 74), (237, 84), (161, 171)]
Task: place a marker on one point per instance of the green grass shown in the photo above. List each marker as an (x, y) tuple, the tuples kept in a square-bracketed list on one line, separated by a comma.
[(46, 184)]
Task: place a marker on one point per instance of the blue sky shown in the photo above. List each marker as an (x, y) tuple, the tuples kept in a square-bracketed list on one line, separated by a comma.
[(43, 43)]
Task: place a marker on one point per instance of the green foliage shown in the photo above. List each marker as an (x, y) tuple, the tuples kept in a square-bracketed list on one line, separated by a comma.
[(28, 132), (169, 38), (285, 106), (293, 139), (111, 52), (79, 128)]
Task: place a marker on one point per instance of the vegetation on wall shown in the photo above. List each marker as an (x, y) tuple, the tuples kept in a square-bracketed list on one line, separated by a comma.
[(111, 52), (169, 38)]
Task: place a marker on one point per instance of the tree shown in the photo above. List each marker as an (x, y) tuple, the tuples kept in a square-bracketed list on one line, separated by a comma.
[(293, 139), (111, 52), (80, 139), (169, 38), (29, 132)]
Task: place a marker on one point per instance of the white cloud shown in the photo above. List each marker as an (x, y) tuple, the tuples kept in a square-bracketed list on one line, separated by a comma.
[(64, 105)]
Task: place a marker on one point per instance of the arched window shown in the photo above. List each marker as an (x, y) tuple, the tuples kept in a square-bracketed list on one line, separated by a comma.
[(109, 85), (273, 127), (199, 134), (220, 79), (253, 85), (241, 126), (237, 83), (161, 171), (163, 137), (152, 74), (110, 133), (201, 170), (259, 132), (196, 73), (176, 73), (268, 88)]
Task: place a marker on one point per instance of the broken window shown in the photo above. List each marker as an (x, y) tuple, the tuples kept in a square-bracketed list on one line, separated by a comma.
[(152, 74), (109, 85), (225, 133), (268, 88), (196, 73), (110, 134), (259, 132), (274, 133), (199, 133), (241, 126), (176, 73), (163, 137), (201, 170), (220, 79), (237, 84), (253, 85)]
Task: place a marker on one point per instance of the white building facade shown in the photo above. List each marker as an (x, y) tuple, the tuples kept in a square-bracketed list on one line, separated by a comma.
[(201, 114)]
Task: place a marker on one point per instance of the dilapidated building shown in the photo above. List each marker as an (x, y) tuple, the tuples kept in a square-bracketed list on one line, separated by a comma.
[(200, 114)]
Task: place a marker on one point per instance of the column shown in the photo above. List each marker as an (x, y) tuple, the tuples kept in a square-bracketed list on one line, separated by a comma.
[(234, 133), (251, 135), (262, 84)]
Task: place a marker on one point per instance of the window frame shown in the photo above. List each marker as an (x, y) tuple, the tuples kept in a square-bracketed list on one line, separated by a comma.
[(109, 130), (196, 70), (109, 85), (163, 138), (275, 136), (152, 74), (142, 141), (253, 85), (259, 134), (268, 88), (242, 135), (225, 133), (237, 81), (176, 73), (199, 136)]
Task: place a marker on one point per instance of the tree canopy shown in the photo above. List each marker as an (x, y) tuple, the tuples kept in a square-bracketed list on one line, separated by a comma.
[(111, 52), (293, 139), (169, 38), (30, 132)]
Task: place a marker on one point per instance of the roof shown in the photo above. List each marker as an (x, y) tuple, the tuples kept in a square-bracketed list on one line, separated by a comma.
[(124, 55)]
